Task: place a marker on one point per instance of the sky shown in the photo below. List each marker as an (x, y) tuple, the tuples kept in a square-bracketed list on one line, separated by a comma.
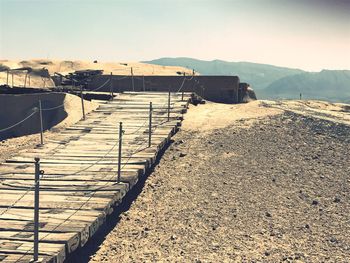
[(307, 34)]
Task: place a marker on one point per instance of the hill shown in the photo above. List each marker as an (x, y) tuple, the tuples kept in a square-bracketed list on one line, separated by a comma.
[(259, 76), (332, 85), (271, 82)]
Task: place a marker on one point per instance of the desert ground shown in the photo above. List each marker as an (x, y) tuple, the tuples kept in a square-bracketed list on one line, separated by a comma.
[(265, 181)]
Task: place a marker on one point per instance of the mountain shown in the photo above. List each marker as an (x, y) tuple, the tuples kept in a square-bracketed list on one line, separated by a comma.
[(259, 76), (332, 85), (273, 82)]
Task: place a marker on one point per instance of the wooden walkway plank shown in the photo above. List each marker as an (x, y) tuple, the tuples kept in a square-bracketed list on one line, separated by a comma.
[(79, 187)]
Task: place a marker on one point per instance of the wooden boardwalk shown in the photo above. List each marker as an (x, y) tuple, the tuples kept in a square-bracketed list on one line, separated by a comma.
[(79, 188)]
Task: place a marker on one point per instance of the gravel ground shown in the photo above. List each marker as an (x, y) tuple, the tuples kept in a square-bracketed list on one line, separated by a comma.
[(273, 191)]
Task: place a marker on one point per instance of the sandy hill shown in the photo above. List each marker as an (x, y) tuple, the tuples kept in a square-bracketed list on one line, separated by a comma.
[(38, 78)]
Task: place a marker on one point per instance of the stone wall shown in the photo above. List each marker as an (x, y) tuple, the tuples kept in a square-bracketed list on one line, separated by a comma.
[(15, 108)]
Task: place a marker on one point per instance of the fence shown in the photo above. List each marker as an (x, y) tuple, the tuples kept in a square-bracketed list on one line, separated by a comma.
[(222, 89)]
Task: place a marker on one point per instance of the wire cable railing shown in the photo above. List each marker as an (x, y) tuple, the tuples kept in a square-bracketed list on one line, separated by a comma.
[(64, 103), (107, 184), (18, 123)]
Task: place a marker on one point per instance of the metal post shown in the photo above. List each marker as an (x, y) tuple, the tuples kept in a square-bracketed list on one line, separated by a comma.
[(41, 124), (169, 106), (111, 86), (182, 96), (7, 78), (12, 80), (132, 80), (36, 209), (120, 151), (82, 101), (25, 80), (150, 125), (28, 80), (143, 83)]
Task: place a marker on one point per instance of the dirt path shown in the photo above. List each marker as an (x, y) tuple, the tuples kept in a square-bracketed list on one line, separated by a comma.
[(267, 187)]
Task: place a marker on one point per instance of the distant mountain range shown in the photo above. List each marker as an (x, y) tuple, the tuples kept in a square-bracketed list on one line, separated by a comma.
[(271, 81)]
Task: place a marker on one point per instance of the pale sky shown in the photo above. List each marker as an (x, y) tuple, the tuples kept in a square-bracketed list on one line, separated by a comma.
[(306, 34)]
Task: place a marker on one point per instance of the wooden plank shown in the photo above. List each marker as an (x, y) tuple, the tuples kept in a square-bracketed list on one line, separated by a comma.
[(84, 222), (70, 240), (55, 251)]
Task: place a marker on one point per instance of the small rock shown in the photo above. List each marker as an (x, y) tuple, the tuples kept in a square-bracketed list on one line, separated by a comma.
[(314, 202), (336, 200), (297, 256), (267, 253), (214, 227), (173, 237), (183, 154), (333, 240), (268, 214)]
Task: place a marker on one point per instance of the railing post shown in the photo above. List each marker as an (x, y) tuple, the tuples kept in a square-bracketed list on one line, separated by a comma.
[(150, 125), (36, 209), (143, 83), (28, 80), (82, 101), (7, 77), (25, 79), (12, 79), (111, 86), (120, 151), (169, 106), (182, 96), (41, 124), (132, 80)]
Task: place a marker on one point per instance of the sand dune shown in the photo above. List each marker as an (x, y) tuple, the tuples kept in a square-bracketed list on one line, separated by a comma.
[(66, 66)]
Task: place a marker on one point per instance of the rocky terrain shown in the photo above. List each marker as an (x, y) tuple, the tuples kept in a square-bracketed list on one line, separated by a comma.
[(261, 188)]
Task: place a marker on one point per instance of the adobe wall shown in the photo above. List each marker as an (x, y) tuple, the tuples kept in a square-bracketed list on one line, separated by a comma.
[(15, 108), (213, 88)]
